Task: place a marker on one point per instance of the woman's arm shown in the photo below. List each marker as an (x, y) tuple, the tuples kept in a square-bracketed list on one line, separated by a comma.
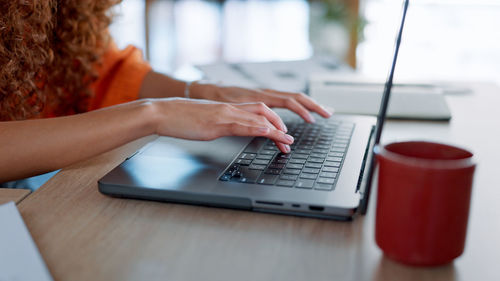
[(156, 85), (33, 147), (37, 146)]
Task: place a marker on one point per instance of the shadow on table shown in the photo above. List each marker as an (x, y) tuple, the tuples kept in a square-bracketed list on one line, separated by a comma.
[(388, 270)]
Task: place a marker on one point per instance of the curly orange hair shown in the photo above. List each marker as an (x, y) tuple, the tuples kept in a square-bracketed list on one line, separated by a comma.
[(48, 52)]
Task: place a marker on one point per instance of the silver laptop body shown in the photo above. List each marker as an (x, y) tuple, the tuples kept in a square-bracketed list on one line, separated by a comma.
[(175, 170)]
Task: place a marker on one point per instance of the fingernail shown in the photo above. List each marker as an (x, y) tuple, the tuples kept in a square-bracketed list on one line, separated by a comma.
[(311, 118), (289, 138), (328, 109), (263, 130), (287, 148), (285, 129)]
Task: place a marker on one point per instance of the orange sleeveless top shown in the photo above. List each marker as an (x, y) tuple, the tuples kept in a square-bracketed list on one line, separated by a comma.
[(121, 73), (120, 77)]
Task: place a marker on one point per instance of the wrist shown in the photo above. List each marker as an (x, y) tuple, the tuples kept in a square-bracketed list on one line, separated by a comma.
[(149, 116), (203, 90)]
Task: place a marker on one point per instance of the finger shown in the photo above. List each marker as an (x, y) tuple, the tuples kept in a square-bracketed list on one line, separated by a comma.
[(250, 118), (241, 129), (263, 109), (295, 106), (312, 105), (285, 148), (306, 101)]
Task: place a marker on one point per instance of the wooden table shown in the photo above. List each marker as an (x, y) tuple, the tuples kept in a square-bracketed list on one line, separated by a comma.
[(84, 235), (15, 195)]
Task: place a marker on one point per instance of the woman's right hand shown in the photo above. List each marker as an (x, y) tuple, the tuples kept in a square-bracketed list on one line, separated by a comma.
[(207, 120)]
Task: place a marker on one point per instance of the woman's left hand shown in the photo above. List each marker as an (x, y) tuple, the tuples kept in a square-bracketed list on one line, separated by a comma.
[(299, 103)]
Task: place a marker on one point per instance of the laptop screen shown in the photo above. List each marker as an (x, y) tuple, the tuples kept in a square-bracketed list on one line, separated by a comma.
[(382, 113)]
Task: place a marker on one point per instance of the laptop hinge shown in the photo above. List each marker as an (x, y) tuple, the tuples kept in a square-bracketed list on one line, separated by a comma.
[(366, 174)]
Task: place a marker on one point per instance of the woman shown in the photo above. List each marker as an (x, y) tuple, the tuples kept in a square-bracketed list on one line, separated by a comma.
[(67, 93)]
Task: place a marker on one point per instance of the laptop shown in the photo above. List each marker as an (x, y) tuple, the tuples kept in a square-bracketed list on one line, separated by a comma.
[(328, 173)]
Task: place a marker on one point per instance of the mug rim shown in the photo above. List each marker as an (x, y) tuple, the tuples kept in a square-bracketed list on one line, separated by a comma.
[(381, 150)]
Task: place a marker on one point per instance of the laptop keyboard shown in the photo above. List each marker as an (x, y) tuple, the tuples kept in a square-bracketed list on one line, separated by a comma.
[(314, 162)]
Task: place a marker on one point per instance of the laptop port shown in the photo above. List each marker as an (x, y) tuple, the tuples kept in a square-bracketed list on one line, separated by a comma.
[(269, 203), (316, 208)]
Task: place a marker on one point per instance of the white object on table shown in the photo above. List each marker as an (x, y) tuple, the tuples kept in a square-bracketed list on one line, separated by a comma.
[(289, 76), (358, 95), (19, 256)]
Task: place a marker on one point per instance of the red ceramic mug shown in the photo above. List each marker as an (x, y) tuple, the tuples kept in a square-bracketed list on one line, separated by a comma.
[(423, 200)]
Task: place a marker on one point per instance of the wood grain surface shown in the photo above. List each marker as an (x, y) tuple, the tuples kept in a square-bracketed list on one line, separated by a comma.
[(84, 235), (15, 195)]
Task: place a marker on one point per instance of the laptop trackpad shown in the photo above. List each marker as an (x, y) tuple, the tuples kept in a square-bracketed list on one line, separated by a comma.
[(179, 164)]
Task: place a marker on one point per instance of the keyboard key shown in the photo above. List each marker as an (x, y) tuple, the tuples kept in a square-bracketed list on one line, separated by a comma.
[(303, 151), (267, 179), (306, 146), (336, 154), (264, 157), (327, 133), (328, 175), (247, 156), (257, 167), (283, 156), (329, 139), (272, 171), (243, 162), (322, 146), (332, 164), (289, 177), (294, 166), (297, 161), (310, 171), (271, 147), (288, 183), (313, 165), (330, 169), (300, 156), (318, 155), (337, 159), (268, 152), (326, 180), (315, 160), (281, 161), (308, 176), (276, 166), (304, 183), (236, 175), (260, 162), (230, 171), (291, 171)]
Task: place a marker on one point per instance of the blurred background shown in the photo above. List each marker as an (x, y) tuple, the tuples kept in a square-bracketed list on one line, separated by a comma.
[(444, 39)]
